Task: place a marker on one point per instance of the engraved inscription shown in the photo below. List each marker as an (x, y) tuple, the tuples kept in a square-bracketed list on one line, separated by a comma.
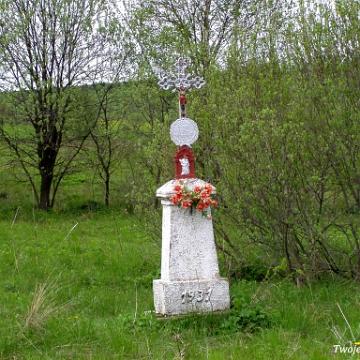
[(197, 295), (208, 294), (183, 297)]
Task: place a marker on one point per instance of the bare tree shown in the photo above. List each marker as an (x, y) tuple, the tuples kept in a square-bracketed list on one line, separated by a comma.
[(197, 29), (109, 136)]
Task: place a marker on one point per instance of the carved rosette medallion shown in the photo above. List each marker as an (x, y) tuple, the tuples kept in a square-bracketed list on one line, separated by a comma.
[(184, 131)]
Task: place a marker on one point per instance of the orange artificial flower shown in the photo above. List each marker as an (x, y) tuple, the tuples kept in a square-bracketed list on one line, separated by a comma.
[(198, 198), (200, 206), (186, 204)]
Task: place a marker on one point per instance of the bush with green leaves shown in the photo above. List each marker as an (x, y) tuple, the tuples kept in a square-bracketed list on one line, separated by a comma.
[(279, 134)]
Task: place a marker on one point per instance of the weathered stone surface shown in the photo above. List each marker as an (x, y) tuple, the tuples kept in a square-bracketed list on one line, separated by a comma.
[(188, 247), (190, 279), (182, 297)]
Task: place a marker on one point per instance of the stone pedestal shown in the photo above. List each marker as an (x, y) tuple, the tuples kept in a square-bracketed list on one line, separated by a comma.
[(190, 279)]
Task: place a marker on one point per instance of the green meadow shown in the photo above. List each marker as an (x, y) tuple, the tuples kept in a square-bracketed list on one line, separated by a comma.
[(84, 144), (76, 283)]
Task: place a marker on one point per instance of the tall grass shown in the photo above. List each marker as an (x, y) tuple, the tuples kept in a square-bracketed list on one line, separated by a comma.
[(78, 284)]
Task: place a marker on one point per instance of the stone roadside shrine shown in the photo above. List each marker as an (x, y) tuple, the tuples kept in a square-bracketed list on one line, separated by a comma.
[(190, 279)]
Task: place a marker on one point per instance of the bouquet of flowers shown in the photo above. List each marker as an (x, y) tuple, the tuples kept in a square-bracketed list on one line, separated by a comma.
[(199, 198)]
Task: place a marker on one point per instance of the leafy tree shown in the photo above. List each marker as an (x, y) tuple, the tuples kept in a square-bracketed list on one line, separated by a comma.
[(48, 50), (287, 151), (278, 136), (110, 140)]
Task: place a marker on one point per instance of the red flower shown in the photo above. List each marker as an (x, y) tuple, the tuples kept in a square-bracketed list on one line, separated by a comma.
[(208, 188), (186, 204), (207, 201), (200, 206), (199, 197), (204, 194), (176, 198)]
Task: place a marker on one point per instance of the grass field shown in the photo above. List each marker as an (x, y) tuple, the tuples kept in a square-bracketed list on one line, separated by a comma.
[(78, 285)]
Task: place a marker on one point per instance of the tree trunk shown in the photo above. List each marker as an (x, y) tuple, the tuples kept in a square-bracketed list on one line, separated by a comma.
[(46, 168), (45, 189), (107, 191)]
